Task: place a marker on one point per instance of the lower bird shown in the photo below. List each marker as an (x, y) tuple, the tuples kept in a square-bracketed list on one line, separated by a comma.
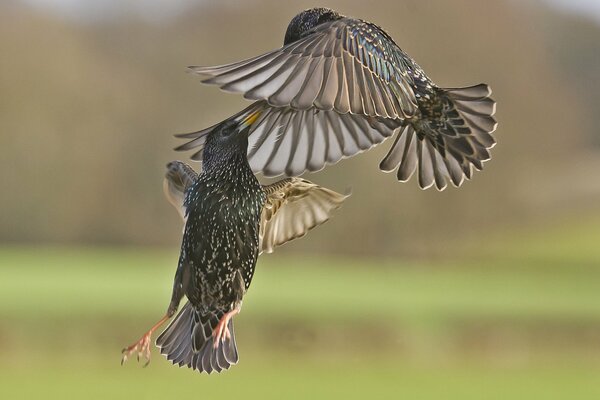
[(230, 218)]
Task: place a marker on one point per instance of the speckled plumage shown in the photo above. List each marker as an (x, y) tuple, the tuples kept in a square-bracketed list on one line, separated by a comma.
[(219, 249), (229, 220), (220, 241), (340, 86)]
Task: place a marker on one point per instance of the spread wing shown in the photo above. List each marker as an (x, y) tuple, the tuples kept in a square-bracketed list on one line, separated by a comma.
[(348, 65), (178, 178), (287, 141), (293, 207)]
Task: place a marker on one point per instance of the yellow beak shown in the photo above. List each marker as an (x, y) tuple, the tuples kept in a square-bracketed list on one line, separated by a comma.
[(251, 118)]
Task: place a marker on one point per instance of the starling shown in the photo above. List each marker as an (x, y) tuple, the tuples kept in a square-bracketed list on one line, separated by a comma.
[(340, 86), (230, 218)]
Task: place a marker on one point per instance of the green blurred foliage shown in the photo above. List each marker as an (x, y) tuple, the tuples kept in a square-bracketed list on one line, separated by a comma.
[(504, 323)]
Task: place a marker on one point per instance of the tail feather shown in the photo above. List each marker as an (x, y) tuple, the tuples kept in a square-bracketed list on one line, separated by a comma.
[(476, 92), (188, 341), (446, 148)]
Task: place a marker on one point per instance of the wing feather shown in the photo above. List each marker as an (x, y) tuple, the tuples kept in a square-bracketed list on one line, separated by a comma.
[(342, 49), (293, 207), (178, 179), (291, 142)]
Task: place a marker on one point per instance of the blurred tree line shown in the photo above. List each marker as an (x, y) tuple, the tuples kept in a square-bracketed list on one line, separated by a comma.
[(88, 110)]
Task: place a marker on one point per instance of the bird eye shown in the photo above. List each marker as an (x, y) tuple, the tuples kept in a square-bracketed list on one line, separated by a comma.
[(226, 132)]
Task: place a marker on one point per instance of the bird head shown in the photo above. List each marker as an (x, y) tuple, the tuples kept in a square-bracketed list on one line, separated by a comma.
[(307, 20), (228, 139)]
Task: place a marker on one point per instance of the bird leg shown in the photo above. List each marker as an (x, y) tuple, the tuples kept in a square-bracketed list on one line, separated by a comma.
[(221, 331), (142, 346)]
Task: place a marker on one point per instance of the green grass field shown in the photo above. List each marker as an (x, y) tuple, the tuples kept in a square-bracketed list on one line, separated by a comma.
[(520, 320)]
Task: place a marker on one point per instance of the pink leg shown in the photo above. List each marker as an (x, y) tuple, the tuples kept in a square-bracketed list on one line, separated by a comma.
[(142, 346), (221, 331)]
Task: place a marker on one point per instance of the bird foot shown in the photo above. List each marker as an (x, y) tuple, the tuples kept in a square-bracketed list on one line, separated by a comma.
[(221, 332), (141, 347)]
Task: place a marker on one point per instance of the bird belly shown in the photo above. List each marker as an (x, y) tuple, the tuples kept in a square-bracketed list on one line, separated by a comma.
[(221, 250)]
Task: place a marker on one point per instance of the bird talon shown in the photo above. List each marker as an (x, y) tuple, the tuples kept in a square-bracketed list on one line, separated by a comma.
[(142, 346), (141, 349)]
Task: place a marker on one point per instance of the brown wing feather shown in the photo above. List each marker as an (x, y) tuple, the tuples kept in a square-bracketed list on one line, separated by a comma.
[(178, 178), (293, 207)]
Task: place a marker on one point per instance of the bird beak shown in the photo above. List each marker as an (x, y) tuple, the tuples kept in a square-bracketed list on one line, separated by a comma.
[(250, 119)]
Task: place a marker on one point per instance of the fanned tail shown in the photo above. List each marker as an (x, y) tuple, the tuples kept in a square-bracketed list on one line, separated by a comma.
[(188, 341), (453, 135)]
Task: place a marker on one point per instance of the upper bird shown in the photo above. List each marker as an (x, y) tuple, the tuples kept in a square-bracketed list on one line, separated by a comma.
[(341, 85), (230, 218)]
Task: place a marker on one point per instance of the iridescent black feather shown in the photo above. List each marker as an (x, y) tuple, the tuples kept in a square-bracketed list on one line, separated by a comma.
[(218, 252), (342, 85), (229, 219)]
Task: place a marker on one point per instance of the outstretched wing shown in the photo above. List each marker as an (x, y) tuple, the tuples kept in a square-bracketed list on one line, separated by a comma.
[(347, 65), (178, 178), (287, 141), (293, 207)]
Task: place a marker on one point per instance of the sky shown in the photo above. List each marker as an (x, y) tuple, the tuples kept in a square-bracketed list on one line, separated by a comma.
[(160, 9)]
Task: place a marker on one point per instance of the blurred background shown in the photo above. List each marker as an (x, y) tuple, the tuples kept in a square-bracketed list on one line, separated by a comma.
[(488, 291)]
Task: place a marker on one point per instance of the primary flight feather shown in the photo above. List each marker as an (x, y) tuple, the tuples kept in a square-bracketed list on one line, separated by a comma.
[(341, 85)]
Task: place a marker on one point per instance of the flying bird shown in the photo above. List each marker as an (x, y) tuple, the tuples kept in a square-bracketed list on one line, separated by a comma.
[(340, 86), (230, 218)]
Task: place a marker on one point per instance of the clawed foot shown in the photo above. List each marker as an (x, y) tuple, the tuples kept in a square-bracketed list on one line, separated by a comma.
[(221, 332), (141, 347)]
